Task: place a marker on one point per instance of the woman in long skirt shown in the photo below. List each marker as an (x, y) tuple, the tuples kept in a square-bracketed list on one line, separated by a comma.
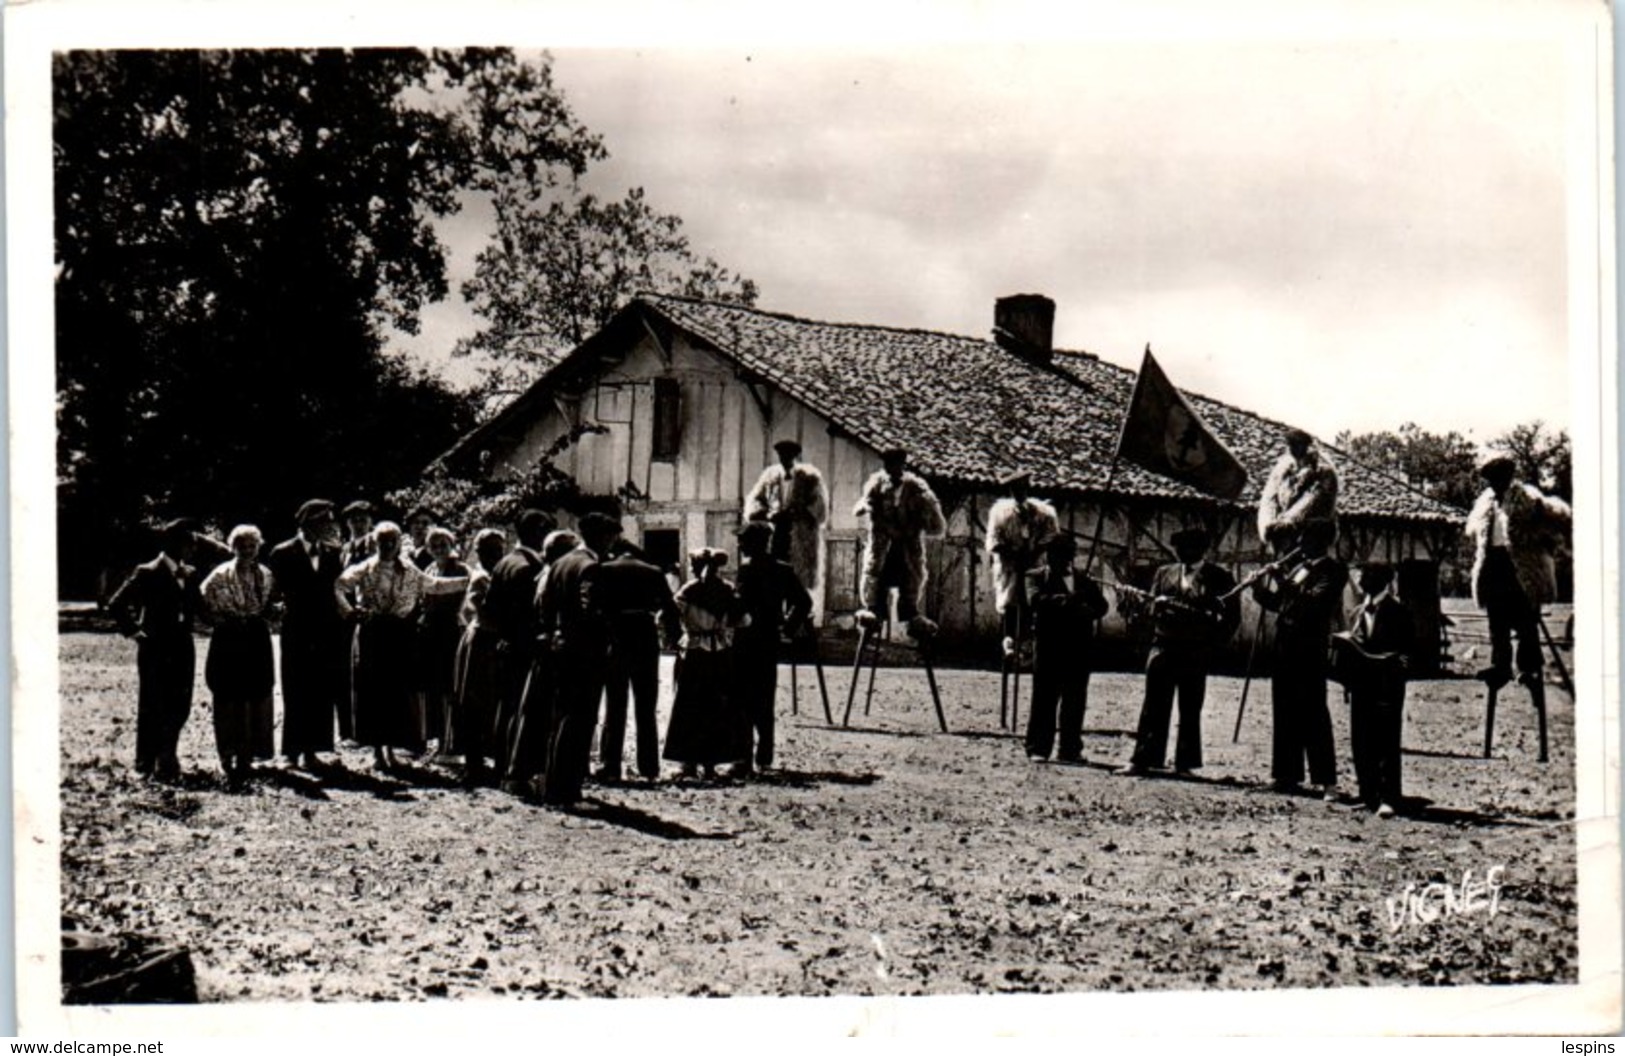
[(474, 673), (440, 630), (239, 670), (383, 594), (703, 731)]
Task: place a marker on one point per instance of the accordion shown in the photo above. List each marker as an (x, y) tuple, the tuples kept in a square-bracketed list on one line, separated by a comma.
[(1350, 665)]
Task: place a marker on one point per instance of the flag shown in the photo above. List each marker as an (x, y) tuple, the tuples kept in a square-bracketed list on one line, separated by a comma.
[(1163, 433)]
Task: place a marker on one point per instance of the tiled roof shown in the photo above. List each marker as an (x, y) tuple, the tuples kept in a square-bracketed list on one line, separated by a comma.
[(971, 412)]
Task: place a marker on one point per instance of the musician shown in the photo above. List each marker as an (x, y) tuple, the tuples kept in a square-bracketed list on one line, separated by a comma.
[(1018, 529), (1514, 529), (791, 496), (1192, 615), (1382, 631), (1301, 489), (902, 509), (1307, 595), (1065, 604)]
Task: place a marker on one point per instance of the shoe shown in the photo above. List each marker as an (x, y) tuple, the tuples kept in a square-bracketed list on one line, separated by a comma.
[(1329, 793), (922, 628), (1494, 677), (867, 620), (1182, 771), (1532, 681), (1070, 757), (1286, 788), (605, 776), (1034, 757), (1130, 770), (1386, 811)]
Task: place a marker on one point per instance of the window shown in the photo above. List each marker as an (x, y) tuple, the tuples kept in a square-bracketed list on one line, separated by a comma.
[(668, 419)]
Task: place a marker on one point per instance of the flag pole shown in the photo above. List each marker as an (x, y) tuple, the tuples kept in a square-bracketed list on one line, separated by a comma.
[(1111, 470), (1100, 516)]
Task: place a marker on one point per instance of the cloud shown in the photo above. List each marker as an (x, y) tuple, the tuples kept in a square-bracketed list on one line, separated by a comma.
[(1372, 206)]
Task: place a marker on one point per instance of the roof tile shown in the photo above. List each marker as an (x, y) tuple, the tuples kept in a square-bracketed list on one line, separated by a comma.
[(971, 412)]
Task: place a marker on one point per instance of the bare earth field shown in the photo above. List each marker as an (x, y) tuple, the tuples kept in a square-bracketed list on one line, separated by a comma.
[(890, 859)]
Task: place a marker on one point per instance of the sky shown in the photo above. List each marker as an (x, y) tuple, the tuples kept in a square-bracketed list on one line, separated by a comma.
[(1340, 234)]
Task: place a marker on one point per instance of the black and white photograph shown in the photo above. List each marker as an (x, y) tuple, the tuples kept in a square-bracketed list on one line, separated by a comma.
[(870, 511)]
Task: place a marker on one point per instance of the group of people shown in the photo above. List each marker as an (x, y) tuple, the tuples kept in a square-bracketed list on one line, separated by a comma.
[(393, 642), (506, 660), (1192, 609)]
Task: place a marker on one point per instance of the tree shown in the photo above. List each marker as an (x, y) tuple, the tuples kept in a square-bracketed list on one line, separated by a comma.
[(558, 268), (234, 232), (1543, 455), (1442, 466)]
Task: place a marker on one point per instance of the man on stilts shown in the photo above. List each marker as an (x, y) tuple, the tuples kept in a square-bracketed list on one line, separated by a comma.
[(1514, 529), (902, 510), (1019, 527)]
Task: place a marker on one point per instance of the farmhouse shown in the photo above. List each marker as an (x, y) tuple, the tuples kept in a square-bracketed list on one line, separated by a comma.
[(692, 395)]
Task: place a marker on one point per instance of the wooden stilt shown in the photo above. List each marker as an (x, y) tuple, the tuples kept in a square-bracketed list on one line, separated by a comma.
[(869, 648), (931, 680), (1015, 691), (857, 667), (874, 662), (1537, 697), (1557, 658), (1004, 690), (1491, 693), (823, 689)]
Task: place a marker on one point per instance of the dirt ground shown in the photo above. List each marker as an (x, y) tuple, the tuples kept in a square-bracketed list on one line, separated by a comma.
[(884, 859)]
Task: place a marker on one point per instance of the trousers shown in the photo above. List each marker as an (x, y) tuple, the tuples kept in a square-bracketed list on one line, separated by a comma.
[(1172, 669)]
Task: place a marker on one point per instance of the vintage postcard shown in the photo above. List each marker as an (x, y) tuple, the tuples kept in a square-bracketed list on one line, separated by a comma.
[(900, 519)]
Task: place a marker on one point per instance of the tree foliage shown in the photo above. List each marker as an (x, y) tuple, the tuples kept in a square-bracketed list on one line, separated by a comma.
[(1543, 455), (1442, 466), (560, 266), (235, 231)]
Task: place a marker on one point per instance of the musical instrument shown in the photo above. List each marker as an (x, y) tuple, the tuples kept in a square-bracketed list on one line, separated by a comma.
[(1283, 565), (1149, 598), (1351, 665)]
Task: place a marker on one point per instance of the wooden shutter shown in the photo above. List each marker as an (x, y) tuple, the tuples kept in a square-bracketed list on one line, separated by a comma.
[(668, 419)]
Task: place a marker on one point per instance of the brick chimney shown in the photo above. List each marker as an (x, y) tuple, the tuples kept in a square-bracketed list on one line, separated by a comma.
[(1024, 323)]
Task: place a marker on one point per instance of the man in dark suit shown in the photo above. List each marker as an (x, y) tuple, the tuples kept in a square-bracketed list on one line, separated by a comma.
[(315, 638), (1308, 598), (573, 620), (532, 726), (1191, 616), (1383, 632), (773, 599), (510, 614), (1065, 604), (155, 606), (633, 594)]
